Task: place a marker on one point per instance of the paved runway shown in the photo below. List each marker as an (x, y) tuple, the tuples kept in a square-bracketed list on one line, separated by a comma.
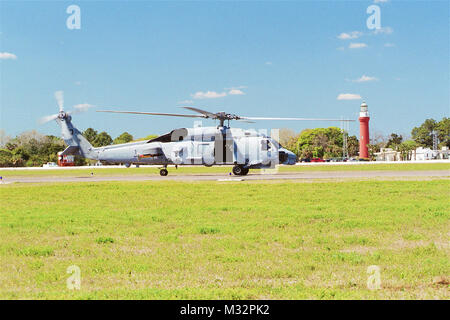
[(298, 176)]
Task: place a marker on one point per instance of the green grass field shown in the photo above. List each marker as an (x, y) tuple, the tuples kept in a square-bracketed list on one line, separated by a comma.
[(224, 169), (225, 240)]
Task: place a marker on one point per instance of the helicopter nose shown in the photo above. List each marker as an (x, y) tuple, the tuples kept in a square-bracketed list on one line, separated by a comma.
[(287, 157), (292, 158)]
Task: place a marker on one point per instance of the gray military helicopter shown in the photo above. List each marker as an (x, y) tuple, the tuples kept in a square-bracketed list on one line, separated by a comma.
[(208, 146)]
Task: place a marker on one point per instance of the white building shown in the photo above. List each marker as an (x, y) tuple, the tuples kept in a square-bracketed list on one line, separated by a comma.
[(387, 154), (420, 154), (425, 154)]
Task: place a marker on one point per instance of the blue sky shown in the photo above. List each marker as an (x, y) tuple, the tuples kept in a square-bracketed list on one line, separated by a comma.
[(281, 59)]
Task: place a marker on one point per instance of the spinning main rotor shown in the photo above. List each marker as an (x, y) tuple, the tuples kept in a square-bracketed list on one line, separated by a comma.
[(221, 116)]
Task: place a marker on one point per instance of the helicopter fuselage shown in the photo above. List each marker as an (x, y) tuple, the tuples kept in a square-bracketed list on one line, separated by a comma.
[(201, 146)]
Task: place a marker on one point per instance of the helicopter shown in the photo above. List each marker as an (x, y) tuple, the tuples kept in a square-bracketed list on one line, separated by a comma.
[(219, 145)]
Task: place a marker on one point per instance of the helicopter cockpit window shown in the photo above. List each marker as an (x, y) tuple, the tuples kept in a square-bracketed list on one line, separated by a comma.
[(277, 144), (265, 145)]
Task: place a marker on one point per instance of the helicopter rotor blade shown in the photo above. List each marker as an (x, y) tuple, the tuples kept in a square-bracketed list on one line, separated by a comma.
[(247, 121), (47, 118), (59, 96), (156, 114), (295, 119), (222, 116), (205, 113)]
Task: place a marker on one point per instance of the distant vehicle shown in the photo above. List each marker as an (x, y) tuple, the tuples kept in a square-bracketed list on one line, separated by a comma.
[(50, 165), (65, 160), (305, 160), (317, 160), (364, 159)]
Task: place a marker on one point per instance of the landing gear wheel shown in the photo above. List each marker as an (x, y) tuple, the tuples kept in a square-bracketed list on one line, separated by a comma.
[(245, 171), (239, 171), (163, 172)]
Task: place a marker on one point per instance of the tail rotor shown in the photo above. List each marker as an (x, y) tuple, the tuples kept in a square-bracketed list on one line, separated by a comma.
[(59, 96)]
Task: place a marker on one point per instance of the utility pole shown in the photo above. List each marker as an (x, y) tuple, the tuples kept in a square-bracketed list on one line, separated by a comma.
[(344, 127)]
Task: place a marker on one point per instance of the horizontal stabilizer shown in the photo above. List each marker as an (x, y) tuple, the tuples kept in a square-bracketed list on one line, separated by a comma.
[(71, 150)]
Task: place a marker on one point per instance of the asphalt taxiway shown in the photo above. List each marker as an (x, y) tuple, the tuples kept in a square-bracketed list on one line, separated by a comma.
[(400, 175)]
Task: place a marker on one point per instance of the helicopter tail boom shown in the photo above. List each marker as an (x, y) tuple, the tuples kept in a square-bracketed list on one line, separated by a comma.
[(74, 139)]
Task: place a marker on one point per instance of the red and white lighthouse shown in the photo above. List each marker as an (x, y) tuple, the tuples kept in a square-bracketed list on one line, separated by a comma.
[(363, 131)]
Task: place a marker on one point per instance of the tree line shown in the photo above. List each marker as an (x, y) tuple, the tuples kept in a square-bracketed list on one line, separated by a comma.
[(32, 148), (318, 143), (421, 136), (328, 142)]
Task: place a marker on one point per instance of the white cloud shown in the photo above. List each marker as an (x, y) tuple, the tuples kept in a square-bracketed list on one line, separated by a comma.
[(365, 78), (384, 30), (380, 1), (348, 96), (7, 55), (83, 107), (234, 92), (208, 95), (186, 102), (268, 63), (389, 45), (350, 35), (357, 45)]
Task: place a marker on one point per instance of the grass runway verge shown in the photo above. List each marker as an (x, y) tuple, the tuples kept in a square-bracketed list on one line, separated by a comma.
[(213, 240)]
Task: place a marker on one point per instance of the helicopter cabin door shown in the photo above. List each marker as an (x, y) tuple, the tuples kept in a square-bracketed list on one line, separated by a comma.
[(223, 148)]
